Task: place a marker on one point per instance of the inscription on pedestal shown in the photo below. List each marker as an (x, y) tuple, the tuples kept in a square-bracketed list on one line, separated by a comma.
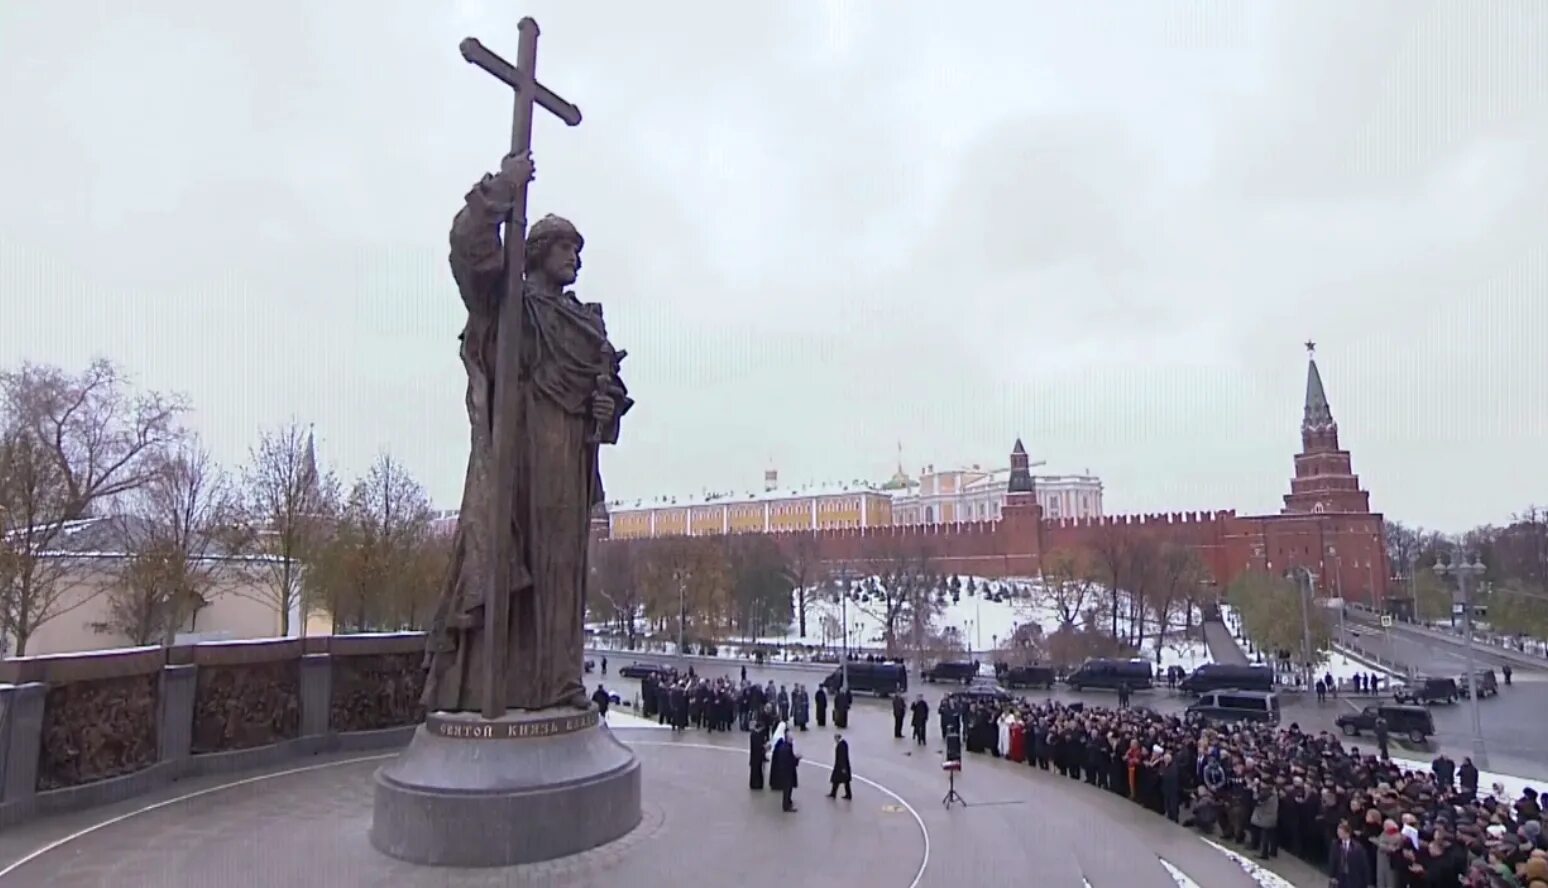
[(527, 729)]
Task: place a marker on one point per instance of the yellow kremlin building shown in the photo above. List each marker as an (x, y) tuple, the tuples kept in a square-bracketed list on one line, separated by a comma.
[(949, 496)]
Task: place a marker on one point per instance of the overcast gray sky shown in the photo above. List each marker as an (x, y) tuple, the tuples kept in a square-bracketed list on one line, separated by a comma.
[(824, 228)]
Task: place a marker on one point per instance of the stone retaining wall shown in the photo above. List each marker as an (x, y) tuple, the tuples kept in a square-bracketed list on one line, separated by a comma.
[(90, 729)]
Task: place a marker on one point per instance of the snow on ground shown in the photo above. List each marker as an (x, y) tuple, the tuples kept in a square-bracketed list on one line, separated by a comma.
[(1505, 787), (978, 622), (1265, 877), (617, 718), (1338, 663)]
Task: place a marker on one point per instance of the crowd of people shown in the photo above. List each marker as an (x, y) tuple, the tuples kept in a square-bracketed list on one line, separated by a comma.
[(1364, 819), (1360, 816), (716, 704)]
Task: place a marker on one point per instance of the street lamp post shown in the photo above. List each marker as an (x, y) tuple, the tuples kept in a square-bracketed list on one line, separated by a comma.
[(682, 616), (844, 615), (1466, 571)]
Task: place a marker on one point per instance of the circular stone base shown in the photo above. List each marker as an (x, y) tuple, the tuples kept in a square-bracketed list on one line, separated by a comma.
[(309, 828), (529, 787)]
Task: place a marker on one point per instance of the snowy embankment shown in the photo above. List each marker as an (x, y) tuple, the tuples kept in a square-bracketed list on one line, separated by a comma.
[(1338, 663), (976, 623), (979, 623)]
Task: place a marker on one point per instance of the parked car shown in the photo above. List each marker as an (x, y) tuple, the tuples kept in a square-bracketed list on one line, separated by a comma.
[(642, 670), (1403, 720), (1487, 686), (881, 679), (1427, 690), (1220, 676), (952, 670), (1029, 677), (1237, 705), (1109, 674)]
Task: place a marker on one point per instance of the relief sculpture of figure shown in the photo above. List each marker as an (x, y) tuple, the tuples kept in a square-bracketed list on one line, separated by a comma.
[(571, 400)]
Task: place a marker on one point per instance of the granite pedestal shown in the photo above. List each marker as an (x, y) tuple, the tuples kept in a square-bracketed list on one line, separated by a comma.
[(528, 787)]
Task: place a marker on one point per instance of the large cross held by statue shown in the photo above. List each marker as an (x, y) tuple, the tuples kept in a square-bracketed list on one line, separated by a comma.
[(522, 78)]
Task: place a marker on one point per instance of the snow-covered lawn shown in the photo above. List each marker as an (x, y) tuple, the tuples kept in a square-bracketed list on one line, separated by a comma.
[(977, 621), (974, 622)]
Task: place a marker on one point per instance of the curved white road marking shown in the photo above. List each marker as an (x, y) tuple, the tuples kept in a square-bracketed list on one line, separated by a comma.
[(923, 831), (248, 781), (166, 803), (1178, 876), (1265, 877)]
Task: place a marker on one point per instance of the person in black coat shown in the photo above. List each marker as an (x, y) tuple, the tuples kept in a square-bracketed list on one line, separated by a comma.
[(782, 771), (898, 709), (821, 699), (921, 716), (1347, 865), (756, 755), (841, 770), (841, 703)]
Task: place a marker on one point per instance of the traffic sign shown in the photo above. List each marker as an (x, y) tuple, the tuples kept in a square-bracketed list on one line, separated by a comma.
[(1386, 621)]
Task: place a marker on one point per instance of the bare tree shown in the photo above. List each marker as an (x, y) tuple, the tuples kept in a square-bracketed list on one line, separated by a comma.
[(760, 583), (378, 568), (70, 443), (805, 565), (903, 598), (1068, 587), (176, 530), (97, 431), (35, 576), (685, 585), (1144, 570), (289, 505), (1109, 554), (1176, 577), (615, 580)]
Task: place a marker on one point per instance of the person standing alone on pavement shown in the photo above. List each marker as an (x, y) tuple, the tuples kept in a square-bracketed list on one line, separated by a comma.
[(921, 711), (898, 708), (782, 767), (842, 774)]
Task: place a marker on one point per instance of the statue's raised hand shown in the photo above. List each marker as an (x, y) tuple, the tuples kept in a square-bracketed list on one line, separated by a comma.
[(518, 169)]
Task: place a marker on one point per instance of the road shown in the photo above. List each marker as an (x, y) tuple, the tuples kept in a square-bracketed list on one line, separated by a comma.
[(1515, 724), (1427, 653)]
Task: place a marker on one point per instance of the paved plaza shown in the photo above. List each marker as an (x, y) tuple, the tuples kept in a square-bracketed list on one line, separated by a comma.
[(308, 827)]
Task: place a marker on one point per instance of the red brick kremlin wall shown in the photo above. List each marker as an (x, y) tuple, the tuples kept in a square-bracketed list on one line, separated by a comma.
[(1346, 552), (1326, 526)]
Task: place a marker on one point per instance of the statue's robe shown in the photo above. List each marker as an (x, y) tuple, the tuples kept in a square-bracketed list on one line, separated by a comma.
[(555, 484)]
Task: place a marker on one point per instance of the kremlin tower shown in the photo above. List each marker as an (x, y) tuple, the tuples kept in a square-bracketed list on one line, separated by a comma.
[(1324, 479)]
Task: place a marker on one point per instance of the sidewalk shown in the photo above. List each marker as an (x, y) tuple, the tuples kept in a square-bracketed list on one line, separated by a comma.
[(1222, 646)]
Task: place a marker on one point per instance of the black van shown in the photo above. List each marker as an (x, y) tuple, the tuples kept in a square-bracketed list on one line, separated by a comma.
[(1028, 677), (881, 679), (952, 670), (1413, 722), (1428, 690), (1109, 674), (1237, 705), (1219, 676)]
